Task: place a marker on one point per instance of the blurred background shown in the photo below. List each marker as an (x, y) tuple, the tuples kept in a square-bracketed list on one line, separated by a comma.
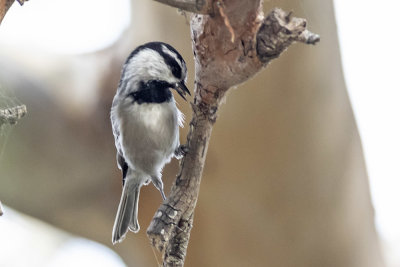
[(302, 169)]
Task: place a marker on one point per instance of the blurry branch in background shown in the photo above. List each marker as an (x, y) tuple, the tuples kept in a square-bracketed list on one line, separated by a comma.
[(230, 46), (5, 5), (12, 115)]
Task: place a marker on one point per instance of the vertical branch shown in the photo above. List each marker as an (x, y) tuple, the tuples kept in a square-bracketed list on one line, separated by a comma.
[(230, 47), (170, 228)]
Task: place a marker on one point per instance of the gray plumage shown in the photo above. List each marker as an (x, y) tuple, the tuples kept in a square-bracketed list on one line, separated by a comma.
[(145, 123)]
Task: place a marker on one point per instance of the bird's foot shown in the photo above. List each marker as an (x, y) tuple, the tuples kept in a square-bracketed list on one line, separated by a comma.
[(181, 151)]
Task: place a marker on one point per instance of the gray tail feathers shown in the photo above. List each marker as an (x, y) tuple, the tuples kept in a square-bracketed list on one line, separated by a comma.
[(127, 214)]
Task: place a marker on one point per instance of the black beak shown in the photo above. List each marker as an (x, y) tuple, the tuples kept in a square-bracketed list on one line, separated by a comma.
[(181, 89)]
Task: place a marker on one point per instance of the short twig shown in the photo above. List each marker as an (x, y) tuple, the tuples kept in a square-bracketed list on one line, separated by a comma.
[(278, 30), (308, 37)]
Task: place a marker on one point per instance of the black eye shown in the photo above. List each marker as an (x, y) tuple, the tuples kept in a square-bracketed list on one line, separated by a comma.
[(176, 71)]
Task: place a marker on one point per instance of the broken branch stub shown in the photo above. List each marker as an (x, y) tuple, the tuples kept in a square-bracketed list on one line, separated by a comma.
[(278, 30)]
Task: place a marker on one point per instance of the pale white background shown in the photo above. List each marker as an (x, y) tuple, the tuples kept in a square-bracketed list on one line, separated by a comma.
[(370, 54), (71, 27), (27, 242), (370, 47)]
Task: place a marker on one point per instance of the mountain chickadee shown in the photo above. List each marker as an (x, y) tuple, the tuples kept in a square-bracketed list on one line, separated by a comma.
[(145, 123)]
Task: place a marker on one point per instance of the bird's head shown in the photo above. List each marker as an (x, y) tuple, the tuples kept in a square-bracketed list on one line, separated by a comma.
[(155, 65)]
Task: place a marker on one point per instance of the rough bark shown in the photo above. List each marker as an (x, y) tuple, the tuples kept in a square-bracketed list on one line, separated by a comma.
[(230, 46)]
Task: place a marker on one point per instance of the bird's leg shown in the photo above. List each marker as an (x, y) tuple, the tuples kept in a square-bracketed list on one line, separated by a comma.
[(181, 151)]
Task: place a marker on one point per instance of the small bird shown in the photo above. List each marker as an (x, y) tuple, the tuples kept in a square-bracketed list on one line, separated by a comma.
[(145, 123)]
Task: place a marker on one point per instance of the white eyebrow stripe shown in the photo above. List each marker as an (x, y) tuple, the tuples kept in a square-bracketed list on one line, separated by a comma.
[(172, 54)]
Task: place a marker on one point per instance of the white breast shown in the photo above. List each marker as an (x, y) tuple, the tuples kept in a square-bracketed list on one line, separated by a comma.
[(149, 134)]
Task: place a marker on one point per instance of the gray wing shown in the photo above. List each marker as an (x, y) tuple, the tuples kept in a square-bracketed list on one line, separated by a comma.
[(122, 165)]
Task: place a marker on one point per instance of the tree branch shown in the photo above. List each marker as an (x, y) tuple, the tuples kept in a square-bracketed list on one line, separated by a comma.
[(229, 47), (5, 5), (195, 6), (12, 115)]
